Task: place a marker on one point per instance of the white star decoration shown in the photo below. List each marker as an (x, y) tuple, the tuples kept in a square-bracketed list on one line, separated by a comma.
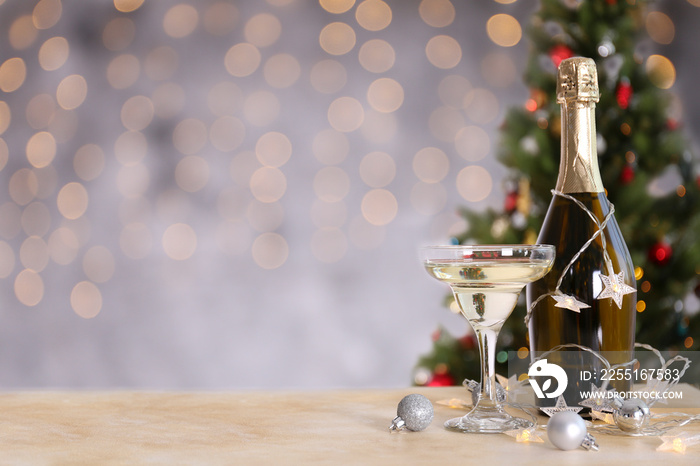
[(569, 302), (560, 406), (527, 435), (678, 441), (615, 287)]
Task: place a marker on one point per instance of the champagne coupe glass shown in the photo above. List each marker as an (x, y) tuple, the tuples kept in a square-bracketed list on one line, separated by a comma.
[(486, 281)]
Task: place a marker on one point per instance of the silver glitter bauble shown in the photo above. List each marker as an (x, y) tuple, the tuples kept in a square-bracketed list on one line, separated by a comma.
[(567, 431), (415, 412), (632, 416)]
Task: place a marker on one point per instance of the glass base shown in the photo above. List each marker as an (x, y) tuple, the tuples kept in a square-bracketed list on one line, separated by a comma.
[(487, 422)]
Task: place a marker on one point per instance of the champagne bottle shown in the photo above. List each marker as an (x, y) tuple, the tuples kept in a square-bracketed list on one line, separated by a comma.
[(589, 297)]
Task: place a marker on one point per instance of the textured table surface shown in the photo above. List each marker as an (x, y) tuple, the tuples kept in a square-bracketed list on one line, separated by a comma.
[(341, 427)]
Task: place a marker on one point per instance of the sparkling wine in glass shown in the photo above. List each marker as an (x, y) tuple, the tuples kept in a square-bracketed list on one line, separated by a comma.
[(486, 281)]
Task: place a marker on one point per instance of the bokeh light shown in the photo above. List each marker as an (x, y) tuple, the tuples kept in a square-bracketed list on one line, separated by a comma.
[(661, 71), (127, 6), (22, 32), (379, 207), (71, 92), (268, 184), (180, 20), (123, 71), (53, 53), (86, 300), (377, 56), (29, 287), (41, 149), (660, 27), (373, 15), (13, 72), (377, 169), (337, 38), (443, 51), (431, 165), (437, 13), (273, 149), (137, 113), (242, 59), (474, 183), (472, 143), (337, 6), (34, 253), (46, 13), (262, 30), (504, 30), (192, 173), (270, 250), (179, 241), (346, 114), (385, 95), (72, 200)]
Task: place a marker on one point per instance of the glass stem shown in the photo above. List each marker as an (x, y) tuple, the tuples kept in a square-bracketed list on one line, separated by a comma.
[(487, 347)]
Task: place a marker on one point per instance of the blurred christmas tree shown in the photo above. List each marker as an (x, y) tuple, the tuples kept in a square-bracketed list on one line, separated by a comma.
[(650, 175)]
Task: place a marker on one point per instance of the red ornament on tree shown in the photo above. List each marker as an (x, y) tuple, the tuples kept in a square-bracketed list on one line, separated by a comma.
[(623, 94), (560, 52), (441, 380), (660, 253), (627, 174), (511, 202)]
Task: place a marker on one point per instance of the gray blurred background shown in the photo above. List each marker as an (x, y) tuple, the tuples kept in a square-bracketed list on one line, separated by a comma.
[(231, 194)]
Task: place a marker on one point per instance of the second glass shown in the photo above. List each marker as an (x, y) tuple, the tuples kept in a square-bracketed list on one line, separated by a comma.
[(486, 281)]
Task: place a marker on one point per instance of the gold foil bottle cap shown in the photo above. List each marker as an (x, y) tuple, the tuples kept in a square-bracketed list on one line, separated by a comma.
[(577, 80)]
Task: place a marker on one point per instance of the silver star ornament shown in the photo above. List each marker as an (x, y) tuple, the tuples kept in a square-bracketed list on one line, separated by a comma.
[(560, 406), (615, 288)]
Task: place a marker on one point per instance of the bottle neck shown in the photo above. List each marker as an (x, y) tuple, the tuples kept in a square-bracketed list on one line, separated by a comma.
[(578, 169)]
